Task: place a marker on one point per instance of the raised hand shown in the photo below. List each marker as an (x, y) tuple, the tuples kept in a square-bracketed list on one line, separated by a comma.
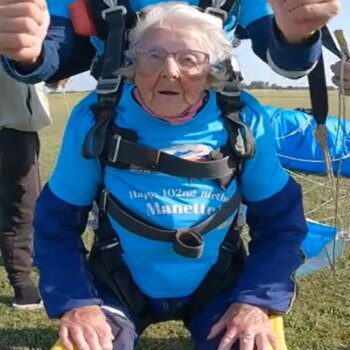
[(299, 19), (23, 27)]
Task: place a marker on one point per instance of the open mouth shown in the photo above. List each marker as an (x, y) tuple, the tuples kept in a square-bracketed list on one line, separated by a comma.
[(168, 93)]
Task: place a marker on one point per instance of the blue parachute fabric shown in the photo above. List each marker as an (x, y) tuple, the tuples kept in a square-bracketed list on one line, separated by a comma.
[(318, 236), (298, 149)]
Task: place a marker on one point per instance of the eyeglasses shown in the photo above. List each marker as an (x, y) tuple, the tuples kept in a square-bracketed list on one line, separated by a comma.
[(151, 59)]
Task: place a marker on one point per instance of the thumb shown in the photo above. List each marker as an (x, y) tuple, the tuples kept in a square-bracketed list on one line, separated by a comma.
[(217, 329)]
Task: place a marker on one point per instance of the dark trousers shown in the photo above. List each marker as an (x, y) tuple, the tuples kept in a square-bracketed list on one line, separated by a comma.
[(19, 189), (164, 310)]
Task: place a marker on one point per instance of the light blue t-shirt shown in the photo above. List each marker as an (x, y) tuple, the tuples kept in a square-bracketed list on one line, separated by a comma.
[(165, 200)]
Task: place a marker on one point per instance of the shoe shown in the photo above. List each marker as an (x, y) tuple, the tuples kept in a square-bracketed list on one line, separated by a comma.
[(27, 298)]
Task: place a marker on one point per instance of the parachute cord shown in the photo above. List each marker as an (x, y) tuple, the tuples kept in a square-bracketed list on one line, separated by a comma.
[(321, 137), (342, 117), (334, 181)]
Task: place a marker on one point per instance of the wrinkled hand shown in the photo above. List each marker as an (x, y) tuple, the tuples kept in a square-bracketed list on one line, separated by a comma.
[(85, 328), (299, 19), (336, 69), (249, 324), (23, 27)]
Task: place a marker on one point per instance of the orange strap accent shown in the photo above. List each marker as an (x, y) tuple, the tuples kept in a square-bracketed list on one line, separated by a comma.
[(81, 18)]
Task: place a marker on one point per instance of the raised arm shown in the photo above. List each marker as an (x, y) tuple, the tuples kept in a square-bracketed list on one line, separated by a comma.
[(50, 43), (288, 39)]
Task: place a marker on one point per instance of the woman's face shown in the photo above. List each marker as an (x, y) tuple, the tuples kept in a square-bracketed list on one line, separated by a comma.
[(171, 70)]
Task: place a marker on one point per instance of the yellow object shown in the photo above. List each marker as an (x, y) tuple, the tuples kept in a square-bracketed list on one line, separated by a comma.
[(276, 323)]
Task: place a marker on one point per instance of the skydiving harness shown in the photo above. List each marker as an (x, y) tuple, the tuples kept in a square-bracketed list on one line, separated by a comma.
[(118, 147)]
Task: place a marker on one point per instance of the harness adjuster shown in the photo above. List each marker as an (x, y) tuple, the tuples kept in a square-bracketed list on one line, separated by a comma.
[(114, 8), (222, 14), (115, 147), (229, 247), (108, 85), (103, 200), (109, 245)]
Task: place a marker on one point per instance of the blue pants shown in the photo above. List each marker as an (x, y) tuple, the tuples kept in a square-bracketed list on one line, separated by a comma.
[(164, 310)]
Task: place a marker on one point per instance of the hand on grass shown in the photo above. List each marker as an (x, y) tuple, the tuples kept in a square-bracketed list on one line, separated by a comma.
[(248, 324), (86, 328)]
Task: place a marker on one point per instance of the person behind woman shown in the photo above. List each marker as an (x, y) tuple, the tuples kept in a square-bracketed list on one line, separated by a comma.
[(24, 110), (176, 53)]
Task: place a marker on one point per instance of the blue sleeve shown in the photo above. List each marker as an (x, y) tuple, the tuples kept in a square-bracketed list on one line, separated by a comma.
[(276, 223), (60, 219), (277, 228), (75, 179), (64, 54), (65, 282), (289, 60)]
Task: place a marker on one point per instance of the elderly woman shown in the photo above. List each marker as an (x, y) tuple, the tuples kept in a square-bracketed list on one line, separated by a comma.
[(170, 109)]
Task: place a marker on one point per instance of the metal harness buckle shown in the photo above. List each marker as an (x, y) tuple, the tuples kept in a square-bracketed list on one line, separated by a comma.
[(110, 244), (103, 199), (113, 7), (108, 85), (117, 139), (222, 14)]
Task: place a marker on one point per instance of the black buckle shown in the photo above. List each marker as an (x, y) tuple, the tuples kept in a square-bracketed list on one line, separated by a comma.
[(222, 14), (188, 243), (108, 85), (115, 147)]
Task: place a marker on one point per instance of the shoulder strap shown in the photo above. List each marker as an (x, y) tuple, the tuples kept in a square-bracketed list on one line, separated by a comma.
[(99, 9), (109, 86)]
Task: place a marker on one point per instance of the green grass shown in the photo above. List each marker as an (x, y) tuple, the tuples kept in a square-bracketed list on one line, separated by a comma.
[(320, 319)]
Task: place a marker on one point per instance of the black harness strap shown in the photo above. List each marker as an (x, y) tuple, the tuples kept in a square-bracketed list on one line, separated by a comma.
[(98, 9), (107, 265), (318, 92), (186, 242), (223, 275), (317, 80), (109, 86), (329, 43), (124, 151)]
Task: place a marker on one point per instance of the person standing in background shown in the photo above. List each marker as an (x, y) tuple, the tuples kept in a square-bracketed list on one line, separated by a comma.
[(23, 112)]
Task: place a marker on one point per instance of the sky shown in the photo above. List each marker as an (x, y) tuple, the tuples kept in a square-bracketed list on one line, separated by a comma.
[(251, 66)]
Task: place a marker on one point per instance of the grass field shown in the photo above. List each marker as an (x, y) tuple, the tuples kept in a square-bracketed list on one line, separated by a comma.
[(320, 319)]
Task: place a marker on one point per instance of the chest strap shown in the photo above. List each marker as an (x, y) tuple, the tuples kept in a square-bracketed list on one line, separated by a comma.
[(121, 150), (187, 242)]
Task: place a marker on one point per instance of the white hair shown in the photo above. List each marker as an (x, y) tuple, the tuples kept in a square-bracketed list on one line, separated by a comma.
[(209, 29)]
